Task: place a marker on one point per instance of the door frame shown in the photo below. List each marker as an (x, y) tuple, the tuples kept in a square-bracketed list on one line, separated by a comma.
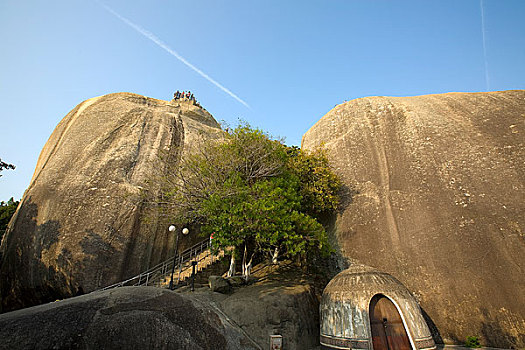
[(407, 329)]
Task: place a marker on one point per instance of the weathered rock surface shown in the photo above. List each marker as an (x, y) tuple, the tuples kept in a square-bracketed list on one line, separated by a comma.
[(80, 225), (289, 310), (122, 318), (438, 202), (281, 301)]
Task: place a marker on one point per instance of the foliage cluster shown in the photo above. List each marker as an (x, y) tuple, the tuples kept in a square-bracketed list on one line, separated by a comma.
[(472, 342), (5, 166), (318, 187), (252, 191), (6, 212)]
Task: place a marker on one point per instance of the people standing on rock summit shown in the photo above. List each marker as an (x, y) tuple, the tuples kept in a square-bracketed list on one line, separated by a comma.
[(185, 96)]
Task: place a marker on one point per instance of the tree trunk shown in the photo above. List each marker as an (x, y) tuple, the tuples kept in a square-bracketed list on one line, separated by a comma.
[(248, 269), (246, 266), (244, 261), (231, 270), (275, 255)]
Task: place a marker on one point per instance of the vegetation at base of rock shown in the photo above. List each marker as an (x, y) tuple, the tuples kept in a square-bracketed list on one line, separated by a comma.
[(319, 186), (5, 166), (472, 342), (6, 212), (254, 193)]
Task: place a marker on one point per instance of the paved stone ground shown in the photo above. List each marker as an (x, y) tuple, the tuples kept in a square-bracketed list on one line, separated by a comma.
[(448, 347), (460, 347)]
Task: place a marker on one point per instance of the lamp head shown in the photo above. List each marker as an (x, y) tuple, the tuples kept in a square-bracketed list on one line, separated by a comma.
[(171, 228), (185, 231)]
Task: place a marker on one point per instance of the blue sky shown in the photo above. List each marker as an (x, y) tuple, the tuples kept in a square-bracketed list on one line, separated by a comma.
[(290, 61)]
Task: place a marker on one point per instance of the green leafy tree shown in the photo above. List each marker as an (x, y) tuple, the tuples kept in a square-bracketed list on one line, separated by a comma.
[(319, 186), (6, 212), (246, 156), (265, 216), (253, 193)]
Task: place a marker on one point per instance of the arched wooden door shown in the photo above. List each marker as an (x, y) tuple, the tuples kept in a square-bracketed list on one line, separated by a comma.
[(388, 331)]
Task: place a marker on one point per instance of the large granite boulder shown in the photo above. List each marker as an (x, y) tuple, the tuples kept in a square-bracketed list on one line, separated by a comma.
[(123, 318), (80, 225), (436, 198)]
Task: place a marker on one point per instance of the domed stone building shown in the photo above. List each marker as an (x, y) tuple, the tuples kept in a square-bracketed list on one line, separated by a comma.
[(363, 308)]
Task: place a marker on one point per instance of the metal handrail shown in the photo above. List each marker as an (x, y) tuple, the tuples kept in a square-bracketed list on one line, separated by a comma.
[(153, 275), (193, 255)]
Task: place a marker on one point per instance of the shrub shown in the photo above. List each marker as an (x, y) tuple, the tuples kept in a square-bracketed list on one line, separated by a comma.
[(472, 342)]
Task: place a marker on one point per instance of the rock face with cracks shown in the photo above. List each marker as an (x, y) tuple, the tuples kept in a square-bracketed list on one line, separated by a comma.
[(123, 318), (80, 225), (435, 197)]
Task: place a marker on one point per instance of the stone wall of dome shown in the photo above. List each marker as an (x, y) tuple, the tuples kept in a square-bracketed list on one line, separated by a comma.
[(344, 309)]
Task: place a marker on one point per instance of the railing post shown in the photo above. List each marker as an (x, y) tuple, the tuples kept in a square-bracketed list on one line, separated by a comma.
[(180, 269), (193, 267)]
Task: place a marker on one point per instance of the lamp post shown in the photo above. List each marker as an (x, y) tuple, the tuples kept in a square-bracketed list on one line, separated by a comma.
[(185, 231)]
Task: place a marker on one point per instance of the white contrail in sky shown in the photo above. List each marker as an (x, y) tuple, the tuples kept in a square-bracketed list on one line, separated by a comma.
[(484, 45), (160, 43)]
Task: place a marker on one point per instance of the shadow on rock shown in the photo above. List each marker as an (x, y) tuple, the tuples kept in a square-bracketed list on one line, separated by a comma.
[(494, 334), (25, 279), (434, 331)]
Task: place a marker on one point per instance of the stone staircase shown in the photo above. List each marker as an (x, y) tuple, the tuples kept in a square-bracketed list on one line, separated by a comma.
[(160, 275), (204, 260)]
